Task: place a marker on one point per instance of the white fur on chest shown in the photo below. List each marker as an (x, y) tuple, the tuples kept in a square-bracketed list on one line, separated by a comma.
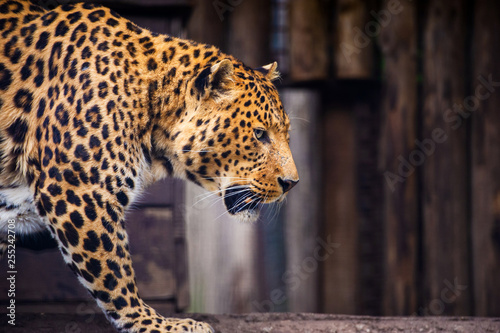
[(17, 204)]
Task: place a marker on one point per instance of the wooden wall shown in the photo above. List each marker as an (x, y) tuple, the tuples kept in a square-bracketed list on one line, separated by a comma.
[(396, 136), (407, 184)]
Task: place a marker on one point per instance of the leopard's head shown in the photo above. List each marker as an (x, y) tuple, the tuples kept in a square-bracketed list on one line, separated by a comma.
[(239, 137)]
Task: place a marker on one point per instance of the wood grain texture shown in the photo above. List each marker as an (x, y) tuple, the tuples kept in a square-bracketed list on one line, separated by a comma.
[(205, 25), (221, 256), (486, 160), (444, 172), (301, 210), (308, 40), (249, 33), (399, 131), (340, 272), (353, 48)]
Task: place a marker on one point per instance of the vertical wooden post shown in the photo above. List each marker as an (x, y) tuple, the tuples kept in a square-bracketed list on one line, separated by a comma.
[(341, 221), (249, 38), (486, 159), (301, 210), (443, 156), (354, 48), (400, 211), (221, 256), (205, 25), (308, 40)]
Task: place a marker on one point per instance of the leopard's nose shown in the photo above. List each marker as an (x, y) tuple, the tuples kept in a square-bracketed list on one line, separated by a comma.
[(287, 184)]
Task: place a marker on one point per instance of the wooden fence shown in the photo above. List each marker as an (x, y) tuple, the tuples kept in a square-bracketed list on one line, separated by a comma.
[(401, 101)]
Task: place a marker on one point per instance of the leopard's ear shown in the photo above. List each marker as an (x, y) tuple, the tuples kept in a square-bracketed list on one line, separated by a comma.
[(270, 71), (216, 80)]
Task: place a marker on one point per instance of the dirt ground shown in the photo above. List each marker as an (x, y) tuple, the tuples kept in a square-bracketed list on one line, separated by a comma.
[(266, 323)]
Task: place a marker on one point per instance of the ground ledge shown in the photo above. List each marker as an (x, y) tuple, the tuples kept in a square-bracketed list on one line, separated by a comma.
[(267, 323)]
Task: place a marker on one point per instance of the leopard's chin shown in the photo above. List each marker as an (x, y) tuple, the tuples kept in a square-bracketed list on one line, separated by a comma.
[(242, 203), (247, 216)]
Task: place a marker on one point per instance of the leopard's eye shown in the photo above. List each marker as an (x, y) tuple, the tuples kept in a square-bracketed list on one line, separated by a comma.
[(261, 135)]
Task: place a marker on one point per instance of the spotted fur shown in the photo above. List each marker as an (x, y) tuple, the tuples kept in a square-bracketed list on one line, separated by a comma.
[(94, 108)]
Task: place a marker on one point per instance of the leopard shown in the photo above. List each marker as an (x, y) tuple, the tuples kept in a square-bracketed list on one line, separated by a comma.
[(94, 108)]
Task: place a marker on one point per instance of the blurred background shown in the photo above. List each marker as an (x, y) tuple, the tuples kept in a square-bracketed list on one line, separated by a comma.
[(396, 134)]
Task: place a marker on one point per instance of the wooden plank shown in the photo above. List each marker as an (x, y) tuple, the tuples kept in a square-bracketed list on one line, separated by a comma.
[(249, 33), (152, 246), (221, 256), (444, 166), (399, 132), (486, 159), (353, 53), (340, 272), (308, 40), (205, 25), (301, 215)]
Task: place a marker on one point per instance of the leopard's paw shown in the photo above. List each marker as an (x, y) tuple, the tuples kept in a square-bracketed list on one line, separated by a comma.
[(188, 325)]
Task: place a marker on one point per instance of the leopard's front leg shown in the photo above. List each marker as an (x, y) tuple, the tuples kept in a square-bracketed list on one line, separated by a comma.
[(87, 221)]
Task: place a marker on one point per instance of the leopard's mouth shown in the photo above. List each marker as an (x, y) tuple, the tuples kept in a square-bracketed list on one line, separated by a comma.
[(241, 200)]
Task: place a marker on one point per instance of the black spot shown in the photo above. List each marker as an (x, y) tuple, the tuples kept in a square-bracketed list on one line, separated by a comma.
[(86, 53), (152, 65), (74, 17), (192, 177), (90, 212), (42, 40), (23, 100), (113, 266), (130, 182), (49, 18), (111, 212), (5, 77), (75, 217), (86, 275), (18, 129), (122, 198), (132, 27), (103, 89), (26, 69), (67, 141), (70, 177), (107, 244), (167, 164), (94, 267), (96, 15), (93, 116), (71, 234), (56, 135), (112, 22), (110, 282), (202, 170), (104, 297), (54, 189), (61, 208), (73, 198), (92, 242), (77, 258), (61, 29), (46, 203), (81, 153), (120, 303), (55, 55), (54, 173), (62, 115)]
